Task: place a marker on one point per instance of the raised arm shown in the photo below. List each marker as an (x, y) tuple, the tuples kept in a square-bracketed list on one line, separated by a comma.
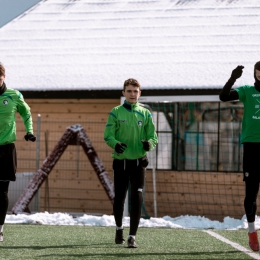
[(228, 94)]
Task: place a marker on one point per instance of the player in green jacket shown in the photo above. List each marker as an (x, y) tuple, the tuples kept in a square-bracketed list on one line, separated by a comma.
[(250, 96), (11, 101), (131, 133)]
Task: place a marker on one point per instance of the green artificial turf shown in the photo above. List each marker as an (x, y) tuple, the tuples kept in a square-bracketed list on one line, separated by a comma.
[(82, 242)]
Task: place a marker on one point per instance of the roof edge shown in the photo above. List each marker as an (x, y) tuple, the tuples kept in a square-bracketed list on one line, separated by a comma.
[(113, 94)]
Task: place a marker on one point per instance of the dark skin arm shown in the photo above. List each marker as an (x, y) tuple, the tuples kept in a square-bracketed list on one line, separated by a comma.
[(228, 94)]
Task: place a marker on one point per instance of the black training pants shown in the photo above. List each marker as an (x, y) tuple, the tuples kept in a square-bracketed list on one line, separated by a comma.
[(4, 185), (251, 171), (125, 172), (8, 164)]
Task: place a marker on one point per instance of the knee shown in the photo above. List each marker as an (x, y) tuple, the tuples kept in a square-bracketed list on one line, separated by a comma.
[(137, 192), (137, 195)]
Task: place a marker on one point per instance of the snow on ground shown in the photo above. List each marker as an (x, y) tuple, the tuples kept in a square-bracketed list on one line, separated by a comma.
[(185, 222)]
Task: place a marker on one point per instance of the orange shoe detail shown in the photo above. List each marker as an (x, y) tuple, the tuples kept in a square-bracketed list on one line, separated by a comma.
[(253, 241)]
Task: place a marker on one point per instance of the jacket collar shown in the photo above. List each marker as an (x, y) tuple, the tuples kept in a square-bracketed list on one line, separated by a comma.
[(130, 106)]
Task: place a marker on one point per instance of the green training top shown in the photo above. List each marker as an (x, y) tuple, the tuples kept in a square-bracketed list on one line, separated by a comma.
[(250, 97), (129, 124), (11, 101)]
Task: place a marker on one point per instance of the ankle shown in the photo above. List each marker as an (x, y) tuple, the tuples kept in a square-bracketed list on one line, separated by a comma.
[(251, 227), (118, 228)]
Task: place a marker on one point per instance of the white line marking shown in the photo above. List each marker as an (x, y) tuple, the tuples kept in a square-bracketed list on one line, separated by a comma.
[(235, 245)]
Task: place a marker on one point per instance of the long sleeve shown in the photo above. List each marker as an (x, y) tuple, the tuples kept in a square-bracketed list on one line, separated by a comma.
[(110, 130), (227, 94), (24, 110), (151, 133)]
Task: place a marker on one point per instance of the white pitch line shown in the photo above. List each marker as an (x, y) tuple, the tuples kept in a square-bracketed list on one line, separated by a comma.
[(235, 245)]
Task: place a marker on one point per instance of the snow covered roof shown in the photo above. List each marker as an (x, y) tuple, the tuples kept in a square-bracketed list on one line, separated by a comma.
[(97, 44)]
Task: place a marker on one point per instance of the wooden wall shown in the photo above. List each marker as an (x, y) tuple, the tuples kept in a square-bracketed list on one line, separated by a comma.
[(74, 187), (210, 194)]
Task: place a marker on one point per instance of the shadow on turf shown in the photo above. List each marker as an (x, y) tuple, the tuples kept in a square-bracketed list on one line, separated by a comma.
[(195, 255), (50, 247), (122, 255)]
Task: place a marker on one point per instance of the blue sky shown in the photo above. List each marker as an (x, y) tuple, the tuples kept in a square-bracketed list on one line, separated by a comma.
[(12, 8)]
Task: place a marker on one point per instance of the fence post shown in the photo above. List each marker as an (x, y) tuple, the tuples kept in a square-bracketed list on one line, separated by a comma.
[(38, 143), (218, 142)]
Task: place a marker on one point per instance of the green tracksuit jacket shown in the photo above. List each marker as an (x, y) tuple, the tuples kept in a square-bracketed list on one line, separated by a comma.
[(11, 101), (129, 124)]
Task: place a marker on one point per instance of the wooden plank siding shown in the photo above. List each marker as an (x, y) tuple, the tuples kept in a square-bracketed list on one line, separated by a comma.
[(213, 195), (74, 186)]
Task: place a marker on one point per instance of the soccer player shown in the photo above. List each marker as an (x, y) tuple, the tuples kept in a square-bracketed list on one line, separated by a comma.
[(11, 101), (131, 133), (250, 96)]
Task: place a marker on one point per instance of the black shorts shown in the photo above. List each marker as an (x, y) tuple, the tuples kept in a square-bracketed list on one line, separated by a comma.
[(8, 162), (251, 162)]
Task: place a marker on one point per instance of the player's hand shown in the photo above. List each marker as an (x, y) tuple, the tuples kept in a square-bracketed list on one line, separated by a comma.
[(146, 145), (237, 72), (30, 137), (120, 147)]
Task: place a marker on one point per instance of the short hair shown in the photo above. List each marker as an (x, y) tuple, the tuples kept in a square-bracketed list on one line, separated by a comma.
[(2, 70), (132, 82)]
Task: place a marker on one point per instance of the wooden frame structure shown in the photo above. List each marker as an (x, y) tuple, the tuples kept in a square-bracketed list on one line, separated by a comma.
[(73, 135)]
